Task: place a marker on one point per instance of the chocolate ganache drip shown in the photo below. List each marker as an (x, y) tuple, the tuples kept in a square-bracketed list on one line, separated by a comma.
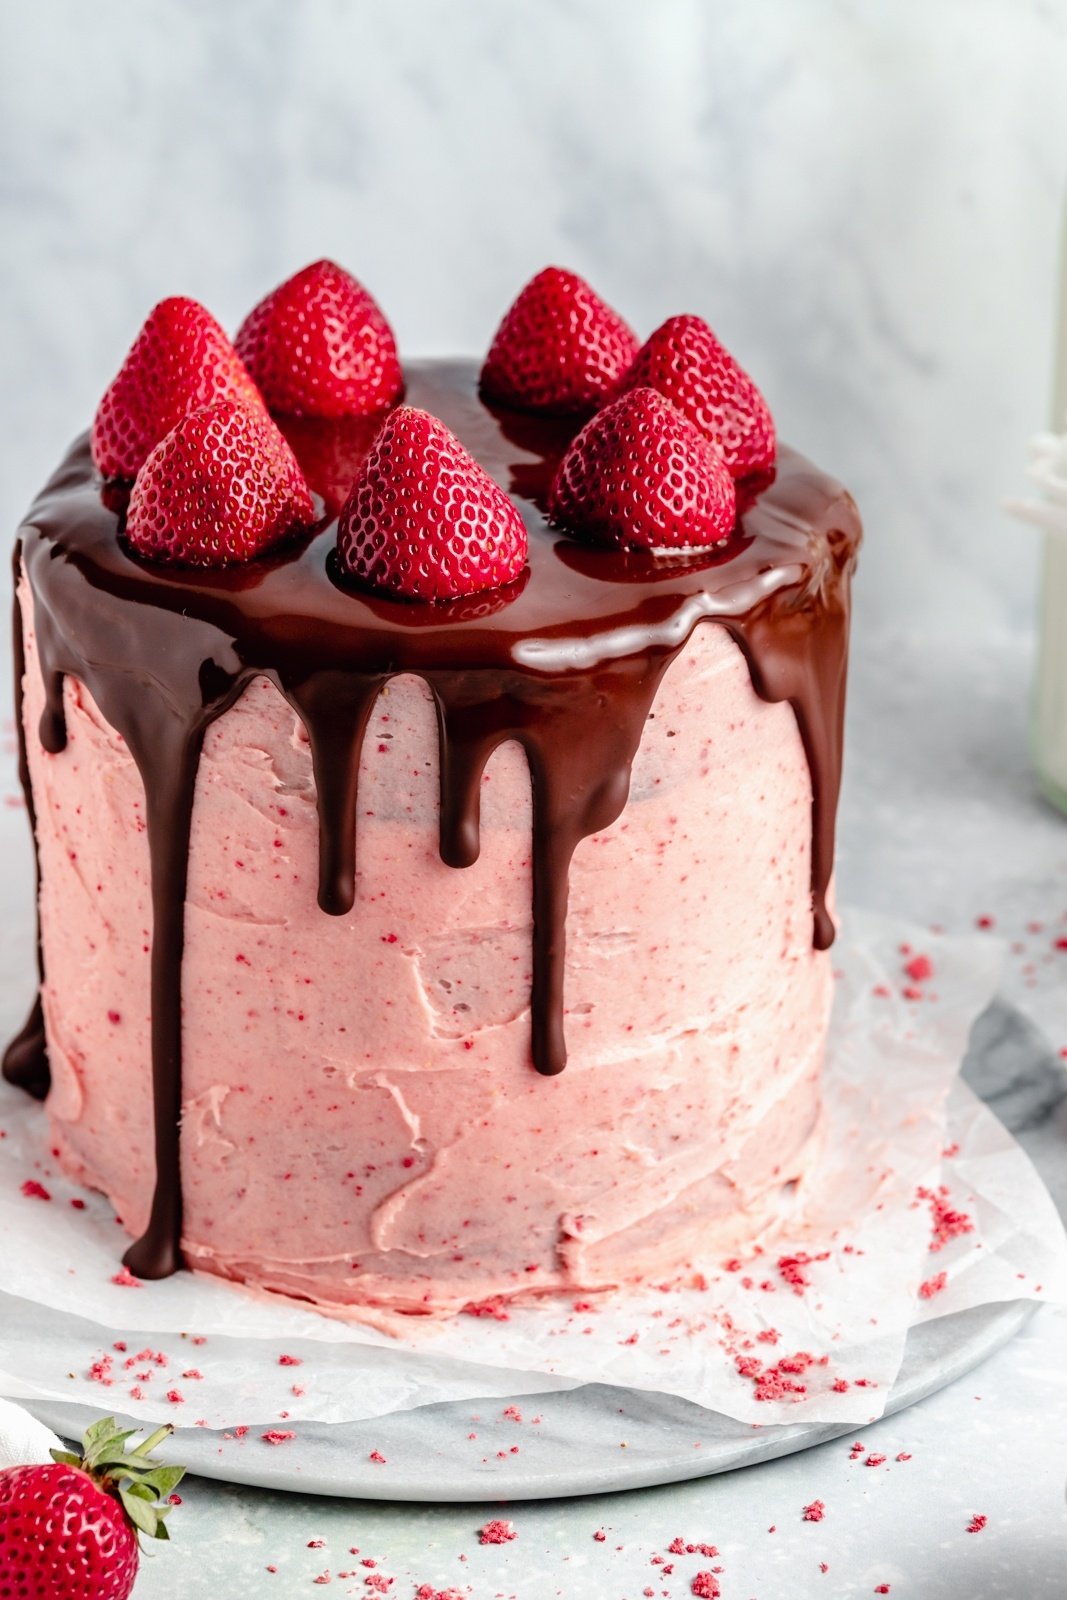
[(566, 662)]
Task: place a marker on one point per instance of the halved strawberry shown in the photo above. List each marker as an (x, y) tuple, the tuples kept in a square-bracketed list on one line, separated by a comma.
[(559, 348), (181, 359), (222, 487), (684, 361), (424, 521), (319, 346), (641, 477)]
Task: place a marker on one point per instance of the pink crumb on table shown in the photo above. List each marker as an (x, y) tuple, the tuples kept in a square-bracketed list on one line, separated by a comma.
[(290, 1361), (977, 1522), (377, 1457), (125, 1279), (919, 968), (497, 1532), (277, 1435), (882, 1588), (34, 1190), (706, 1586), (815, 1512)]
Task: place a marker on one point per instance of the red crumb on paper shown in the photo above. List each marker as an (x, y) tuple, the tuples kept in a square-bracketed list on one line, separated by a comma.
[(323, 1577), (34, 1190), (100, 1371), (778, 1382), (600, 1536), (815, 1512), (903, 1455), (497, 1532), (874, 1460), (290, 1361), (706, 1586), (933, 1286), (824, 1566), (175, 1397), (882, 1588), (512, 1413), (277, 1435), (979, 922), (977, 1523), (948, 1223), (919, 968), (376, 1456), (125, 1279), (793, 1269), (426, 1591)]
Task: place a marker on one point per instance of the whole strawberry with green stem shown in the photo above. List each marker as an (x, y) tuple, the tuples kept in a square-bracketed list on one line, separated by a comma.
[(69, 1529)]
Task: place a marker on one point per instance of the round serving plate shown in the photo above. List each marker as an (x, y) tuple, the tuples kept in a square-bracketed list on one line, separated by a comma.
[(600, 1438)]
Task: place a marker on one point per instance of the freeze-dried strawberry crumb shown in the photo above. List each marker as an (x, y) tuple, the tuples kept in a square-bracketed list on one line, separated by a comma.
[(277, 1435), (316, 1544), (512, 1413), (933, 1286), (903, 1455), (706, 1586), (323, 1577), (378, 1583), (919, 968), (497, 1532), (882, 1588), (290, 1361), (977, 1522), (793, 1269), (948, 1223), (493, 1307), (125, 1279), (824, 1566), (600, 1536), (100, 1371), (984, 922), (426, 1591), (815, 1512), (34, 1190), (175, 1397), (840, 1385), (874, 1460), (377, 1457)]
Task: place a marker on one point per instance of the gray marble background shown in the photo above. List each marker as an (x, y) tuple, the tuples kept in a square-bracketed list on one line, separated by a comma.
[(862, 196)]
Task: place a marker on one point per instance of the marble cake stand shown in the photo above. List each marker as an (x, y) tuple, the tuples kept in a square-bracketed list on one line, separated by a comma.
[(598, 1438)]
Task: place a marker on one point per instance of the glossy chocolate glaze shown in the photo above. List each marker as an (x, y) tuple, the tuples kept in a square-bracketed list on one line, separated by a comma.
[(566, 661)]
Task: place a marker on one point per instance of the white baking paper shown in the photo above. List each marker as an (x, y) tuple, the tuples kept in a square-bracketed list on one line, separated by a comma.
[(809, 1328)]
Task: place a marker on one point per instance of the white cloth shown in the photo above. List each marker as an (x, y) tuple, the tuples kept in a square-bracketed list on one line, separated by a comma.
[(23, 1440)]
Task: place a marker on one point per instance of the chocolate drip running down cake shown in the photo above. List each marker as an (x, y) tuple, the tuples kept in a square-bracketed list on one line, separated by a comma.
[(409, 951)]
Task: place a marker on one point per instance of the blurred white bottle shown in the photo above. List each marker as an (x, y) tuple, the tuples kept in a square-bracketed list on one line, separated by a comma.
[(1050, 696)]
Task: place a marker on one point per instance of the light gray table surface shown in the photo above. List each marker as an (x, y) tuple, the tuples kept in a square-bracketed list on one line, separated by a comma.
[(941, 822)]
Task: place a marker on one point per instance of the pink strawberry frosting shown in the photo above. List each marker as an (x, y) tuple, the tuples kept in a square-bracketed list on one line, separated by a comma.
[(362, 1125)]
